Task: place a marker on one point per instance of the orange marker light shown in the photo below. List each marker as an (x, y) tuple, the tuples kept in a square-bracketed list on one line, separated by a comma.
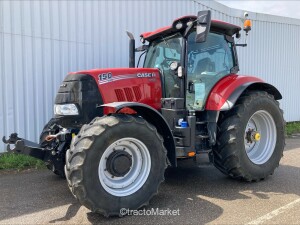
[(191, 154), (247, 25)]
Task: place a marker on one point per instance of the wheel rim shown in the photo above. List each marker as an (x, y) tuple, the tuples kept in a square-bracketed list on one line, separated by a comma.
[(260, 137), (126, 179)]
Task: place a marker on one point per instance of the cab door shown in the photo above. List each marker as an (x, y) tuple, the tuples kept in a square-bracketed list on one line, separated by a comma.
[(207, 63)]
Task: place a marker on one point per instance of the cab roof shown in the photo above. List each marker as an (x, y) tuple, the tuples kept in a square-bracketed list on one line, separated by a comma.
[(216, 25)]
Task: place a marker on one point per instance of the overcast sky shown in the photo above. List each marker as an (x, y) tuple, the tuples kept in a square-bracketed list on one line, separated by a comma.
[(280, 8)]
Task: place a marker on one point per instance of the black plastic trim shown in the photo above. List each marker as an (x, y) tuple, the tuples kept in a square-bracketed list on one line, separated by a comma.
[(81, 90), (212, 117)]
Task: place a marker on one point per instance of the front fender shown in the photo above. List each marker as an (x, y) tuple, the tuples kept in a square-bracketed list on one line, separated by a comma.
[(156, 119)]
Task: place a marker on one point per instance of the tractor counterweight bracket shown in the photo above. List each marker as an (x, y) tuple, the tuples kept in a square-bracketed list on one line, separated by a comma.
[(13, 138), (22, 146)]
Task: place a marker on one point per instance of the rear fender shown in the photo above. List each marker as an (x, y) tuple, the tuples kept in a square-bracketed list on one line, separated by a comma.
[(156, 119), (227, 91), (230, 102)]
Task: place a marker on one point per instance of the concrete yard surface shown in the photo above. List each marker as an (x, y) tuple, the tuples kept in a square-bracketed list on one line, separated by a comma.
[(199, 192)]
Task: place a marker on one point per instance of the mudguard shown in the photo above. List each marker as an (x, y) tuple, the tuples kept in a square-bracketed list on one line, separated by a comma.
[(155, 118), (226, 92)]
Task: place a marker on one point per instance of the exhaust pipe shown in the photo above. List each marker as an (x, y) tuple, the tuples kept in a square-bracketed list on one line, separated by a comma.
[(131, 50)]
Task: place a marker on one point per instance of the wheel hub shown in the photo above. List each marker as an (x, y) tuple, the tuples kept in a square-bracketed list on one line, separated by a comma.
[(252, 136), (260, 137), (119, 163), (124, 166)]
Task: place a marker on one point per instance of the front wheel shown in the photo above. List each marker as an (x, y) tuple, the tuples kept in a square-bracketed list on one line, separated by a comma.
[(251, 137), (116, 162)]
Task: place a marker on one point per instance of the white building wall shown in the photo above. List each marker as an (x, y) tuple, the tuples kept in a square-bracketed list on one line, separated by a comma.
[(41, 41)]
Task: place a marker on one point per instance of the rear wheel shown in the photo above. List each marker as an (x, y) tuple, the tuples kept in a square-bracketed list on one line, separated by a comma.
[(115, 162), (250, 137)]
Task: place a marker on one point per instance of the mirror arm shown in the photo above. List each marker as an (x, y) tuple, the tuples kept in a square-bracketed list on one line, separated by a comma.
[(188, 29)]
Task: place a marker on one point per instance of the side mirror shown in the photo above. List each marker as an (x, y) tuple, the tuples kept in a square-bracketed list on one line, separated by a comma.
[(203, 25)]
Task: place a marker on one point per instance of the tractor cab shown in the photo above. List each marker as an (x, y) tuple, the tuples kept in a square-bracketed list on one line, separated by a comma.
[(190, 68)]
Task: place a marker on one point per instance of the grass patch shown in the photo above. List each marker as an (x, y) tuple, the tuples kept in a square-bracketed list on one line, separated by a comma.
[(20, 162), (292, 128)]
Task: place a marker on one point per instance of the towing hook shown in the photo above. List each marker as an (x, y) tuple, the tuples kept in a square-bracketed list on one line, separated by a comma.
[(4, 140), (50, 137), (13, 138)]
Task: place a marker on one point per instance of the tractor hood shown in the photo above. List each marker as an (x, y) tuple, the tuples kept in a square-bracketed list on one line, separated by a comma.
[(103, 76), (126, 84)]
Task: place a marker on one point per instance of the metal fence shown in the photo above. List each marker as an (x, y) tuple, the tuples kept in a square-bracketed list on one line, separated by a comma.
[(41, 41)]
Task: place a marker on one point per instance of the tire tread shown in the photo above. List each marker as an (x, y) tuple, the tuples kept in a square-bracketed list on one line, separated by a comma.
[(74, 173)]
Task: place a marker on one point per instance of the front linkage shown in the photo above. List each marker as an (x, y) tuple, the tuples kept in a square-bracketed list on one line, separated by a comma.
[(51, 150)]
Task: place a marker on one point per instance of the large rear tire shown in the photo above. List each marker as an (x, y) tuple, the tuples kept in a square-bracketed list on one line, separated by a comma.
[(115, 162), (251, 137)]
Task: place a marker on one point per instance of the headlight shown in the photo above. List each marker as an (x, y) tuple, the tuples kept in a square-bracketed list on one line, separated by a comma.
[(67, 109), (179, 25)]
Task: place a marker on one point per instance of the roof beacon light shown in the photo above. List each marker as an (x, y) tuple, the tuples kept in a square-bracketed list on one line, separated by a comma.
[(247, 25)]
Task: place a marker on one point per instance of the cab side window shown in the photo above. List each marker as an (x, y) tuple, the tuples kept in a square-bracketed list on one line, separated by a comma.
[(213, 56)]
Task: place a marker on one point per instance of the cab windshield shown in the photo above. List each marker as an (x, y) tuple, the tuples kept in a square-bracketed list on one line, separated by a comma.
[(161, 53)]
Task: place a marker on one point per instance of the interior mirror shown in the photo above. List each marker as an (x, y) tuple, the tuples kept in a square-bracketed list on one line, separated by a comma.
[(203, 25)]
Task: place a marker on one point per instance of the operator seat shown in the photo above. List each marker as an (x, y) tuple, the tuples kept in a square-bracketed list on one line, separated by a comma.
[(204, 65)]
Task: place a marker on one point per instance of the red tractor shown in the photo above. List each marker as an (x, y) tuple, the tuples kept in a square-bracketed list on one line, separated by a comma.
[(115, 131)]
